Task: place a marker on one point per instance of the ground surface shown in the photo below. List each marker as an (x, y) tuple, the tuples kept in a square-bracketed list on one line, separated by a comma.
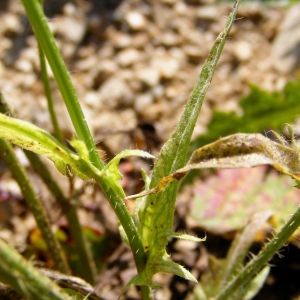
[(133, 64)]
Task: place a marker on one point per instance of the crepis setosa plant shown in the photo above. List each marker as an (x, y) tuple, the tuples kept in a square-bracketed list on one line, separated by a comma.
[(148, 231)]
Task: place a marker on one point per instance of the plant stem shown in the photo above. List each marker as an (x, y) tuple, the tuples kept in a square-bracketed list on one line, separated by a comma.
[(257, 263), (46, 82), (86, 260), (115, 195), (110, 188), (10, 159), (24, 278), (85, 256), (46, 40)]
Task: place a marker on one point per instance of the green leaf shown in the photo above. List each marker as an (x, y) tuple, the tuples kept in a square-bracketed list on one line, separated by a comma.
[(33, 138), (221, 270), (112, 167), (187, 237), (156, 212), (256, 283)]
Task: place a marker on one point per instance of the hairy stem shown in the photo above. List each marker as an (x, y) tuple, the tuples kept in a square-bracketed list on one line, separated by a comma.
[(35, 205), (257, 263), (88, 268), (24, 278)]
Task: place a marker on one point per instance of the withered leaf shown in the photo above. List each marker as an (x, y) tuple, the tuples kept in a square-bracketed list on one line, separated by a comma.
[(239, 151)]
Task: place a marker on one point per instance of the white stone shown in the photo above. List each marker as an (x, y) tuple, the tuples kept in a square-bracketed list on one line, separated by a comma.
[(87, 63), (243, 50), (71, 28), (115, 91), (92, 99), (181, 8), (143, 101), (121, 40), (23, 65), (208, 12), (128, 57), (135, 20), (150, 76), (167, 66), (11, 22)]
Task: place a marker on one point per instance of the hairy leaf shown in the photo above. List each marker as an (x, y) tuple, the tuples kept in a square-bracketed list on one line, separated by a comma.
[(262, 110), (33, 138), (155, 213), (239, 151)]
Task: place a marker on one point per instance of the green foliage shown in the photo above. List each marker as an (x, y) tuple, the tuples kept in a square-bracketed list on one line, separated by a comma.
[(221, 270), (262, 111), (155, 214)]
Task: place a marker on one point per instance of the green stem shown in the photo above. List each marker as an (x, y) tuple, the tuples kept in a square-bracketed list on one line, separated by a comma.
[(87, 263), (86, 260), (46, 40), (24, 278), (10, 159), (46, 82), (115, 195), (257, 263)]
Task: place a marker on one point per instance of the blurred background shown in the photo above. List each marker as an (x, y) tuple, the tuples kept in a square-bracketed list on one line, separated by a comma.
[(134, 64)]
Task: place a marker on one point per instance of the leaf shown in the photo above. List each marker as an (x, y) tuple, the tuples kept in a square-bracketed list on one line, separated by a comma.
[(156, 212), (224, 202), (222, 270), (240, 246), (256, 283), (262, 110), (238, 151), (71, 283), (112, 166), (31, 137), (187, 237)]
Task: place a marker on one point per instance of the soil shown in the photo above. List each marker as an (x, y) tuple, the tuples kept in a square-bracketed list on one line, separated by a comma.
[(133, 64)]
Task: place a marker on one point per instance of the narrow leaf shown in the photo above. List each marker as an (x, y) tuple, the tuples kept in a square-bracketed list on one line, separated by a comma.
[(155, 215), (187, 237), (240, 246), (25, 278)]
